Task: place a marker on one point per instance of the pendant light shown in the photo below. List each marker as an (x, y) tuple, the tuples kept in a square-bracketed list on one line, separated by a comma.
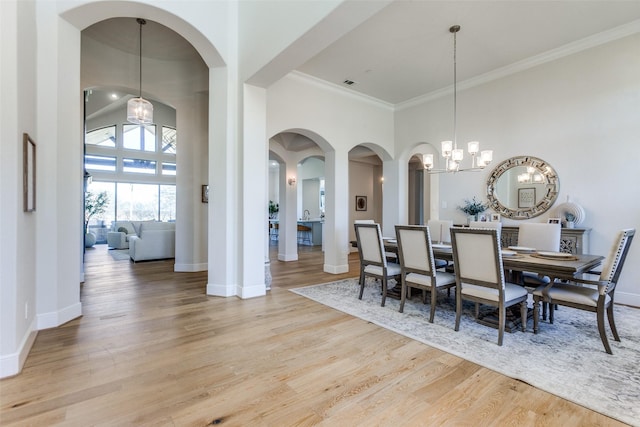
[(450, 151), (139, 110)]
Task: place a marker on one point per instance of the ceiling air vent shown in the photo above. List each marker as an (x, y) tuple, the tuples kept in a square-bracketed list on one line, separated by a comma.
[(349, 82)]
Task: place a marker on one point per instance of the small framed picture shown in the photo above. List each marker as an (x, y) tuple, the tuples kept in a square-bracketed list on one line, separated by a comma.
[(526, 197), (494, 217), (361, 203), (29, 173), (554, 221), (205, 194)]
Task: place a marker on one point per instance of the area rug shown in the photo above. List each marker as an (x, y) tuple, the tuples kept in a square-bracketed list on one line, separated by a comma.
[(566, 358), (119, 254)]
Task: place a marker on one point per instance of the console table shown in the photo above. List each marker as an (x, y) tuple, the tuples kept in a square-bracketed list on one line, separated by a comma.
[(572, 240)]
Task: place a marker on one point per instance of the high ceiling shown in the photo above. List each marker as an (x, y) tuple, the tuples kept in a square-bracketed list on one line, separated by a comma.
[(405, 51)]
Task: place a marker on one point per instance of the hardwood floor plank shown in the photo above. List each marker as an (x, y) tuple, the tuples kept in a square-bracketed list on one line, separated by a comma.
[(153, 349)]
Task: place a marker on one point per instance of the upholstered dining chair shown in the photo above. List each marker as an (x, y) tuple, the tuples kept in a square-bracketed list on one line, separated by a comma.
[(439, 231), (391, 256), (591, 295), (418, 267), (485, 224), (480, 275), (541, 237), (373, 262)]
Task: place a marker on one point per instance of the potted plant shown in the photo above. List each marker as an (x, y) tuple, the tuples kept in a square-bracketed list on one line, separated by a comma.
[(473, 207), (94, 204), (571, 218), (274, 208)]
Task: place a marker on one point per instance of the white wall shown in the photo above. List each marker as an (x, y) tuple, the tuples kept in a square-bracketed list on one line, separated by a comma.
[(580, 114)]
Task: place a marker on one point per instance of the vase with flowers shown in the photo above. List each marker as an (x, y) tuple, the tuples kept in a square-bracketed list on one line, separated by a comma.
[(473, 207)]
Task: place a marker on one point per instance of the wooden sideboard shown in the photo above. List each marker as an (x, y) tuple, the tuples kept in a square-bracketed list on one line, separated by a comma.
[(572, 240)]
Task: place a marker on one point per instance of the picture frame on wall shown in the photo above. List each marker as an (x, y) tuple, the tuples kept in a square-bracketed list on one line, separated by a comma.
[(29, 173), (361, 203), (205, 194), (526, 197), (494, 217)]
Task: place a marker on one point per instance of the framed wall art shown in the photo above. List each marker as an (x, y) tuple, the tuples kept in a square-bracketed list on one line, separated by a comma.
[(29, 172), (361, 203), (526, 197)]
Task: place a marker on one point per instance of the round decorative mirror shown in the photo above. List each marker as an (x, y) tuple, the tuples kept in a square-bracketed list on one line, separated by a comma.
[(522, 187)]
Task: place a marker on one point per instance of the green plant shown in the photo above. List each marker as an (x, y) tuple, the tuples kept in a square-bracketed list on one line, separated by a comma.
[(273, 207), (94, 204), (473, 207)]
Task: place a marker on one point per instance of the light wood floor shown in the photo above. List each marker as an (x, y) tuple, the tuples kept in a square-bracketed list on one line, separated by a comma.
[(153, 349)]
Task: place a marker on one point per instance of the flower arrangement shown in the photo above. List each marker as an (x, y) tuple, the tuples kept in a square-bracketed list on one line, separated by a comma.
[(273, 208), (473, 207)]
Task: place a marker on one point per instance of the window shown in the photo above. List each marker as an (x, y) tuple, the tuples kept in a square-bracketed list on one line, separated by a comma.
[(139, 137), (168, 140), (139, 166), (167, 203), (100, 163), (104, 137), (137, 202), (169, 169)]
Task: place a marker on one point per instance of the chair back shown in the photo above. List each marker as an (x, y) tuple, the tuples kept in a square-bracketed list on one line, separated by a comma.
[(439, 230), (364, 221), (414, 249), (540, 236), (476, 255), (485, 224), (615, 260), (370, 246)]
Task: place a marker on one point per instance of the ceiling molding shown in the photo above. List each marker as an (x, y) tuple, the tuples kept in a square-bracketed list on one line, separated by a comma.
[(549, 56), (306, 78)]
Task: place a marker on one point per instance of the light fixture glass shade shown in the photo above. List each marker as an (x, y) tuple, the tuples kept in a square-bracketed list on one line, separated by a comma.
[(473, 147), (447, 147), (486, 156), (428, 161), (139, 111), (457, 154)]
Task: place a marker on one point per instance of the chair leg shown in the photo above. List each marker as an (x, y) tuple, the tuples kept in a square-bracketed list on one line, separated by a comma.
[(403, 295), (384, 291), (536, 313), (361, 284), (434, 297), (501, 315), (612, 322), (458, 310), (523, 314), (603, 335)]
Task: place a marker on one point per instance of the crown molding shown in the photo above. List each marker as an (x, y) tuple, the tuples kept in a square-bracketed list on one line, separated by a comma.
[(323, 84), (551, 55)]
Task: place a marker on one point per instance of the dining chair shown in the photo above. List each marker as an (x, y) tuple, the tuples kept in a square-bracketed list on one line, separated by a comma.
[(439, 230), (391, 256), (480, 275), (591, 295), (373, 262), (541, 237), (486, 224), (418, 267)]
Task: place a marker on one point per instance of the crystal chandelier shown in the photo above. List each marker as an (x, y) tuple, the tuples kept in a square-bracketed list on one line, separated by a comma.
[(139, 110), (452, 154)]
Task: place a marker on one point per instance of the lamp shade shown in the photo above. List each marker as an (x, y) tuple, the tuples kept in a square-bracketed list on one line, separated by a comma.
[(139, 111)]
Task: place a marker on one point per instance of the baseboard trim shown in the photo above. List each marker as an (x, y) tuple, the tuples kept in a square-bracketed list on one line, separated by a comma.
[(285, 257), (190, 268), (11, 364), (57, 318), (221, 290), (336, 269), (626, 298)]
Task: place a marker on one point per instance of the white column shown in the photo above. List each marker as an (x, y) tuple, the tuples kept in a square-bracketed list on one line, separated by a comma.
[(336, 222), (394, 196), (254, 197), (288, 231)]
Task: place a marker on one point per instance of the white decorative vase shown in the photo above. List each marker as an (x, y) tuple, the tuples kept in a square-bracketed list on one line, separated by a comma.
[(89, 240)]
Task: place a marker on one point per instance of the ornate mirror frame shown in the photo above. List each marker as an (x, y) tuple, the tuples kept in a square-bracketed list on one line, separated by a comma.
[(551, 187)]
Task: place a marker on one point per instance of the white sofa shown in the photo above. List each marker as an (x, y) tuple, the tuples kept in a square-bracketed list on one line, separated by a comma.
[(153, 240), (118, 237)]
